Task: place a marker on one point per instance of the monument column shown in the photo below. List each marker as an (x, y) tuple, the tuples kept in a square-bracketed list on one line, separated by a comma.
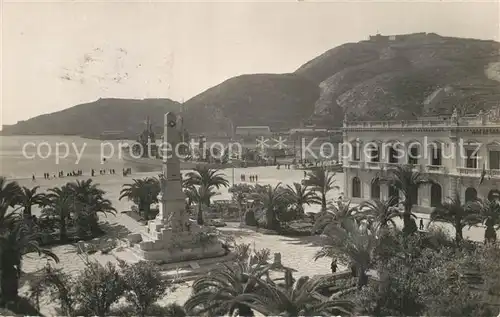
[(171, 197)]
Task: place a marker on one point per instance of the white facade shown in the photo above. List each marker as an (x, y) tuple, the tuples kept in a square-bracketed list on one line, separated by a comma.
[(454, 152)]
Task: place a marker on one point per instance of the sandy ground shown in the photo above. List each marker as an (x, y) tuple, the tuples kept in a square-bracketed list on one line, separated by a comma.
[(296, 252)]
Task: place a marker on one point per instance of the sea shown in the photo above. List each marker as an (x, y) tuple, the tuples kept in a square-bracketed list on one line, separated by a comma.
[(21, 157)]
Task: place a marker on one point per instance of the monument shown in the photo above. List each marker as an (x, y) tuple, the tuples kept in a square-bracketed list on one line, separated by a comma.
[(172, 236)]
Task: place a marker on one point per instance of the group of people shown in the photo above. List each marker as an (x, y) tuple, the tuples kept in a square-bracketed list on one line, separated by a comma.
[(103, 171), (287, 166), (60, 174), (252, 178)]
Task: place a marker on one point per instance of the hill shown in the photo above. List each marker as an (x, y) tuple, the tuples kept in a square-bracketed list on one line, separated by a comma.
[(125, 116), (385, 77), (279, 101)]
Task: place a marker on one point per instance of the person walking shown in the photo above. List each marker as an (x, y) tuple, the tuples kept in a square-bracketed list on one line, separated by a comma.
[(421, 226), (333, 266)]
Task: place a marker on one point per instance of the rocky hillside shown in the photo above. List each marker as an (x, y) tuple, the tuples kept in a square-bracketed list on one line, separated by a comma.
[(392, 77), (125, 116), (396, 77)]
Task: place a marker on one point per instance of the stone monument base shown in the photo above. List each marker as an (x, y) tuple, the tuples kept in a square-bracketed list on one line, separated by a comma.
[(167, 245)]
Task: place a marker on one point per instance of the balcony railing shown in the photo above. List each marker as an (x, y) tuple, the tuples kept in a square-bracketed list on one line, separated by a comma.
[(373, 165), (469, 171), (495, 173), (354, 164), (435, 169)]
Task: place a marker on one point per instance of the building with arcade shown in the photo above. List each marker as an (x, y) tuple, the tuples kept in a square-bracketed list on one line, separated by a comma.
[(461, 154)]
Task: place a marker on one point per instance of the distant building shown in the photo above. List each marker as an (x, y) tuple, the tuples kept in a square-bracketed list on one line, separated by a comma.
[(252, 131)]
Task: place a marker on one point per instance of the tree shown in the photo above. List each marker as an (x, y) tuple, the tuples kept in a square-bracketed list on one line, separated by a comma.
[(351, 244), (90, 200), (321, 181), (240, 194), (452, 211), (29, 197), (272, 200), (143, 192), (9, 197), (298, 299), (217, 291), (201, 184), (204, 176), (16, 242), (486, 212), (60, 205), (381, 212), (301, 195), (144, 285), (407, 182), (202, 196), (97, 288), (334, 215)]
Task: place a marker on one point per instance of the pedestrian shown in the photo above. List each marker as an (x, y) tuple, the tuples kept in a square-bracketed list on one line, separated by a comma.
[(421, 224), (305, 174), (333, 266), (256, 178), (33, 177)]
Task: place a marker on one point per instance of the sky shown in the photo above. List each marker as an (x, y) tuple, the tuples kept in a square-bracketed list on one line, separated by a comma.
[(56, 54)]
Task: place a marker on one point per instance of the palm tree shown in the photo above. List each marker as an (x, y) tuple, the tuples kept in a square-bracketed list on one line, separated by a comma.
[(321, 181), (407, 182), (452, 211), (9, 197), (301, 195), (217, 291), (143, 192), (380, 212), (14, 244), (486, 212), (30, 197), (89, 199), (272, 200), (60, 205), (334, 215), (204, 176), (351, 244), (298, 299), (202, 196)]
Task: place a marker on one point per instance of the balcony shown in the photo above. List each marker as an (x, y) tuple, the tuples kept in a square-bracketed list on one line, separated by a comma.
[(495, 173), (354, 164), (374, 165), (435, 169), (473, 172)]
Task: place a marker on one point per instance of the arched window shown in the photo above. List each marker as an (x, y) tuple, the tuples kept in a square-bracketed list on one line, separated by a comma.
[(375, 189), (356, 187), (470, 194), (436, 195), (394, 192)]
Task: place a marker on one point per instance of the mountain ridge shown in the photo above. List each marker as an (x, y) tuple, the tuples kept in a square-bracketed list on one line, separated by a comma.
[(382, 78)]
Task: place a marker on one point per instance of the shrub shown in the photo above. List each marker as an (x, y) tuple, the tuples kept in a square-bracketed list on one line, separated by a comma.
[(143, 285), (97, 288)]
